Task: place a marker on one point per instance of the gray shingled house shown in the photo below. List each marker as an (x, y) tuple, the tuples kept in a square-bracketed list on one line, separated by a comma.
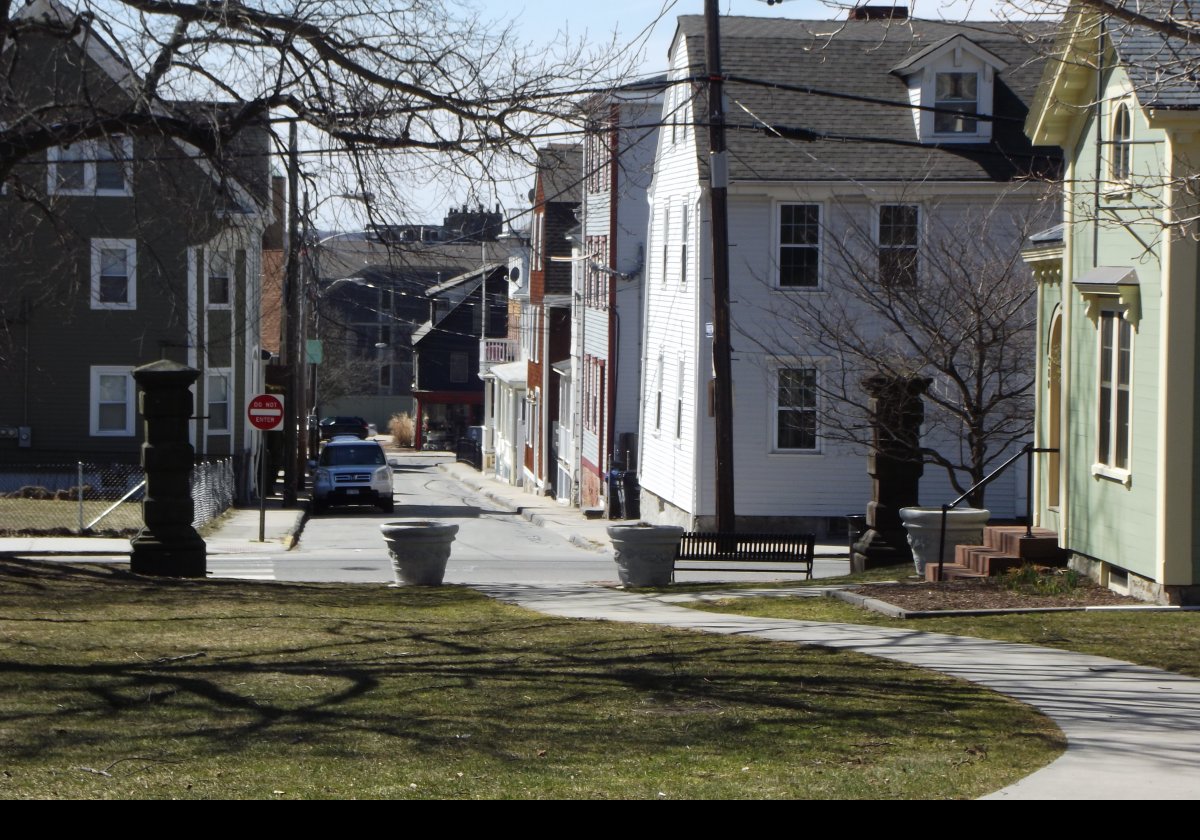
[(116, 251)]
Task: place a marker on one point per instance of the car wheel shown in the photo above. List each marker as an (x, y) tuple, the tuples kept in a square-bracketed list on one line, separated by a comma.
[(318, 508), (388, 507)]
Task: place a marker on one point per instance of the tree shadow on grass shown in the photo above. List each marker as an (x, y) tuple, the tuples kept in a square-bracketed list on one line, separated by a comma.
[(222, 669)]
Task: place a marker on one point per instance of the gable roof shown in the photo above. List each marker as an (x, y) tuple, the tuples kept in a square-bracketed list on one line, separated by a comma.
[(248, 189), (872, 134), (1164, 70), (454, 292), (1161, 68)]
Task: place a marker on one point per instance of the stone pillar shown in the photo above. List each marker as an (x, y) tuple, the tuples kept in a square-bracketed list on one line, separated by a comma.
[(896, 412), (167, 545)]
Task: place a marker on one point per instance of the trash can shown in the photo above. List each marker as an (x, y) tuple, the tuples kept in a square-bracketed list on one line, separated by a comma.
[(631, 502), (615, 508)]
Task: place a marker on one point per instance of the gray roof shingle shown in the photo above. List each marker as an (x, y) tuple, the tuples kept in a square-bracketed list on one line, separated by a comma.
[(1164, 70), (856, 58)]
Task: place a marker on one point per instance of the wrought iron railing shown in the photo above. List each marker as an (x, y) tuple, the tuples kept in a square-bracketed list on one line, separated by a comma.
[(1027, 451)]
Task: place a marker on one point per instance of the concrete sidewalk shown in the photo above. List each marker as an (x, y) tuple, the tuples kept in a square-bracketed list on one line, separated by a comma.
[(571, 523), (1132, 732), (236, 532)]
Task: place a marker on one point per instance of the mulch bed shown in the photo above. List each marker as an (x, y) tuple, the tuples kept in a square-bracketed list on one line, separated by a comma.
[(988, 594)]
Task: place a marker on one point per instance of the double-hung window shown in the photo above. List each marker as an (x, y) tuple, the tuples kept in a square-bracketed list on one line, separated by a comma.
[(92, 167), (796, 409), (458, 367), (111, 404), (684, 232), (666, 241), (658, 394), (1112, 429), (898, 245), (114, 274), (218, 280), (218, 401), (956, 98), (799, 245), (679, 384)]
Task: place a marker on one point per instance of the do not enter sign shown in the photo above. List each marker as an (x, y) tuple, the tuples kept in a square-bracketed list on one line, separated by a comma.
[(265, 412)]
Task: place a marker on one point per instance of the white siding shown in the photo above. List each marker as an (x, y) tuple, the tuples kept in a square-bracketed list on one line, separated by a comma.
[(672, 324)]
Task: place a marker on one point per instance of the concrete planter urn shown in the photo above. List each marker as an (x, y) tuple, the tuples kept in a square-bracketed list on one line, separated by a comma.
[(645, 553), (419, 549), (964, 526)]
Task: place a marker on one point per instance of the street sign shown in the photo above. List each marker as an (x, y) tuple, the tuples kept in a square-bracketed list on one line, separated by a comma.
[(265, 412)]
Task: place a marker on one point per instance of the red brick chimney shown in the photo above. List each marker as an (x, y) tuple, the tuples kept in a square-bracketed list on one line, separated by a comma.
[(894, 12)]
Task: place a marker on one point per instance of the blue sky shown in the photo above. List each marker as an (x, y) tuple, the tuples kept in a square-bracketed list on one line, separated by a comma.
[(643, 26)]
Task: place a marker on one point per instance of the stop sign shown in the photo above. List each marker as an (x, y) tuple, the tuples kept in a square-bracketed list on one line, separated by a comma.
[(265, 412)]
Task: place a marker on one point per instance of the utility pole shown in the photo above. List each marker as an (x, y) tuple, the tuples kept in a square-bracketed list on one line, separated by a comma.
[(301, 377), (718, 168), (291, 342)]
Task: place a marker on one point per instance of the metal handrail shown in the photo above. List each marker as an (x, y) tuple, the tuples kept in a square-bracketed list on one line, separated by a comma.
[(1027, 451)]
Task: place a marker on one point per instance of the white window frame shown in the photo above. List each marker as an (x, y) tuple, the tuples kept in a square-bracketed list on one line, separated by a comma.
[(230, 260), (679, 383), (945, 104), (537, 241), (89, 151), (780, 245), (777, 409), (1109, 453), (98, 371), (684, 234), (658, 390), (666, 243), (880, 247), (224, 374), (98, 246), (1120, 157)]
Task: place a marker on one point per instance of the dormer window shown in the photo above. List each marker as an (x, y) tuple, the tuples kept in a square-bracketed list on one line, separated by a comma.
[(956, 99), (954, 82)]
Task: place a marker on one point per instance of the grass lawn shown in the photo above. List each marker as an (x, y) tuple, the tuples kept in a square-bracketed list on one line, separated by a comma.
[(118, 686), (1166, 640), (30, 516)]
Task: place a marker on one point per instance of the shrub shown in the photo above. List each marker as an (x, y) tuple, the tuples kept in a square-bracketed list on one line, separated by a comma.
[(1041, 580), (401, 427)]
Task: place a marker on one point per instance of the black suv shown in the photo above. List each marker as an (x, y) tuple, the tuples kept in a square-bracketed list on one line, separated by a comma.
[(331, 427)]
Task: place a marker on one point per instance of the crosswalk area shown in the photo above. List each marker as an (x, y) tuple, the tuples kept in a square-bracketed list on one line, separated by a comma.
[(240, 567)]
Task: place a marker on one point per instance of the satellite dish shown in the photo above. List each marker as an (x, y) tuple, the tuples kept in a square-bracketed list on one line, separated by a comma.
[(514, 274), (532, 195)]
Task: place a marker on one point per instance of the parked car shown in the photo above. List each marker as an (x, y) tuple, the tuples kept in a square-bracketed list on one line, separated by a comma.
[(351, 471), (333, 426)]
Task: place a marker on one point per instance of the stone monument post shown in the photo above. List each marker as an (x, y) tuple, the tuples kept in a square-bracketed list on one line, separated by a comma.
[(167, 545), (896, 411)]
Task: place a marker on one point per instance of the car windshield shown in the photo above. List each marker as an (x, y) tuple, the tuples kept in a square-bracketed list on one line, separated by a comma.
[(353, 456)]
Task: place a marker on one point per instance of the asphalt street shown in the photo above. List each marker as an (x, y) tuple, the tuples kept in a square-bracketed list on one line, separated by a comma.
[(493, 545)]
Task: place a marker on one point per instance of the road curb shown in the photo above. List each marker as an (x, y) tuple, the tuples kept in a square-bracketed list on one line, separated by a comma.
[(293, 535), (532, 516)]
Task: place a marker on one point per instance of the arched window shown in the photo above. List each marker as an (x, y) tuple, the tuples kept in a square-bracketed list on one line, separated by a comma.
[(1122, 144)]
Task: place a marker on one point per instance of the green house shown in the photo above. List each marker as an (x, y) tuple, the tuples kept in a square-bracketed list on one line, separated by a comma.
[(1118, 304)]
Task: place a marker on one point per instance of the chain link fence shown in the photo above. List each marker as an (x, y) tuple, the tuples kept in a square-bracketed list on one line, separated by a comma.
[(97, 499)]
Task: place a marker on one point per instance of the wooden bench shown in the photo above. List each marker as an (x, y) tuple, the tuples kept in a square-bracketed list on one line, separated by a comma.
[(719, 552)]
